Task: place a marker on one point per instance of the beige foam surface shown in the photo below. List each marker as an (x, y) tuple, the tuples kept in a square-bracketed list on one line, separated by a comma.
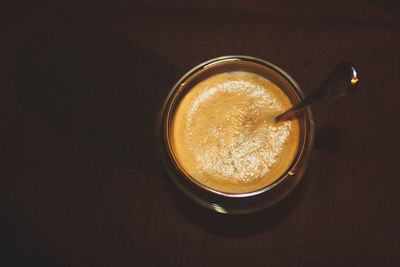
[(224, 135)]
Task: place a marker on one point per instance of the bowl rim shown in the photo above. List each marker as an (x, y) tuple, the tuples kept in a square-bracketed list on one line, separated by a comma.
[(165, 118)]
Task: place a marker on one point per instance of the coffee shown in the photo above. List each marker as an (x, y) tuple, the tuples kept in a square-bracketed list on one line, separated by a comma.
[(224, 135)]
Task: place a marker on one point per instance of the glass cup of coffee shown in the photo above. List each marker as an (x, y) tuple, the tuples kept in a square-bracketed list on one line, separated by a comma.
[(219, 141)]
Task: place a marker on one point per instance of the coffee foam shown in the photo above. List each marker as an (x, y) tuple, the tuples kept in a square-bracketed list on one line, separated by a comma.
[(224, 134)]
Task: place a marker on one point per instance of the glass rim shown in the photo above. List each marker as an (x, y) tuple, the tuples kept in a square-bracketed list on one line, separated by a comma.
[(167, 114)]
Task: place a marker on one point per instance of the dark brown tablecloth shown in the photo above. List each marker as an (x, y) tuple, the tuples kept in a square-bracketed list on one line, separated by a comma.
[(80, 88)]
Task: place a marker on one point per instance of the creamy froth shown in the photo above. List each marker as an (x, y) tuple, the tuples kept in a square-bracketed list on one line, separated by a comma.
[(225, 137)]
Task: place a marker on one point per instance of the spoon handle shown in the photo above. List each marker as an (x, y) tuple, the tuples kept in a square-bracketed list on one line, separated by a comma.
[(343, 80)]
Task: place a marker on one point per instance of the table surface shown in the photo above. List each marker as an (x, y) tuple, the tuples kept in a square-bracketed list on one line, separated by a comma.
[(81, 86)]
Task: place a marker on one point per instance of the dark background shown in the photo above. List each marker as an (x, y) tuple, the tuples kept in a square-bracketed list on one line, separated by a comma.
[(80, 88)]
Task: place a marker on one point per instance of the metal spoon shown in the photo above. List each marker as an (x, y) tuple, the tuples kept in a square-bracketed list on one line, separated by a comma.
[(342, 81)]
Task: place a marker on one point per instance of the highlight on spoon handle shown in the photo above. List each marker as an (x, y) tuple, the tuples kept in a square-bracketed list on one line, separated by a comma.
[(343, 80)]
